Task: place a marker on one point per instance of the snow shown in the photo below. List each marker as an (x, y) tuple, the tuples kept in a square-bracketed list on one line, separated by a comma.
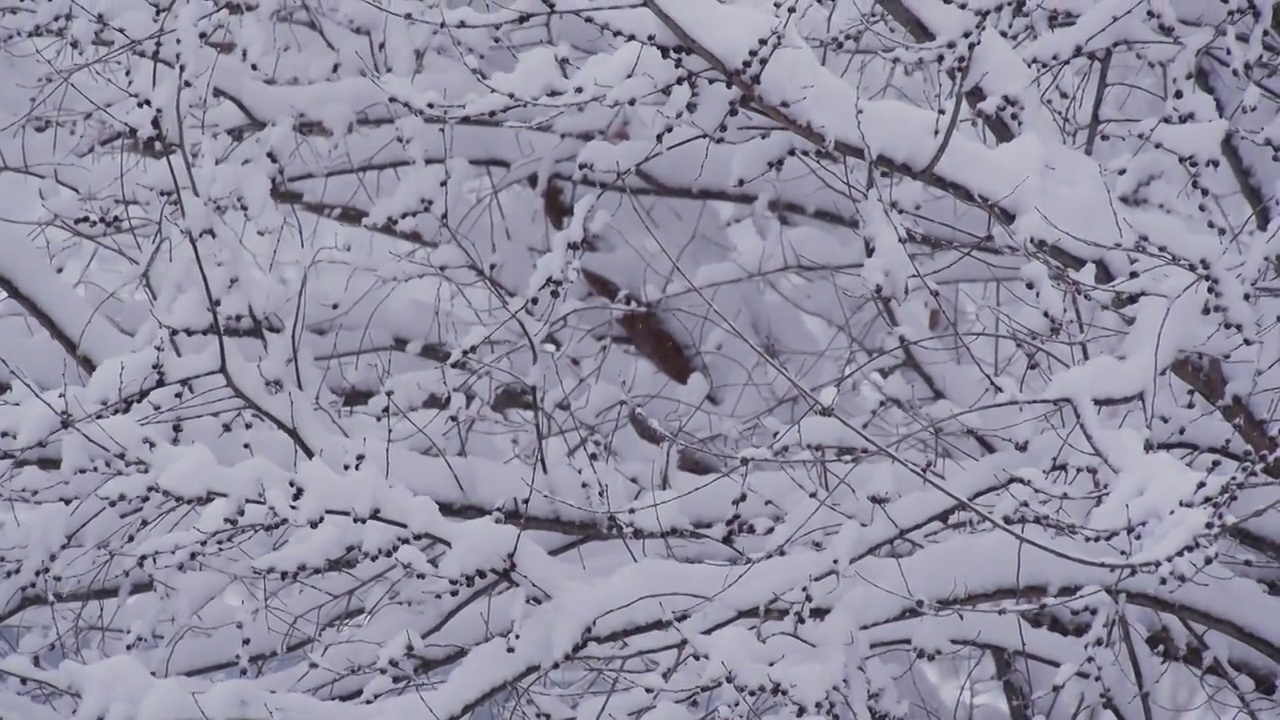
[(310, 408)]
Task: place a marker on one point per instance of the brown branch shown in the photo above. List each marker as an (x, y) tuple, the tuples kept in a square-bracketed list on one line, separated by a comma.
[(1015, 695), (1205, 376), (688, 458), (647, 331), (346, 215), (1095, 113), (109, 591), (919, 30), (65, 337), (1249, 187), (1139, 684), (555, 207)]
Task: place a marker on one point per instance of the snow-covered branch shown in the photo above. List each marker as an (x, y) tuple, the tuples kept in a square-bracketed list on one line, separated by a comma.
[(644, 359)]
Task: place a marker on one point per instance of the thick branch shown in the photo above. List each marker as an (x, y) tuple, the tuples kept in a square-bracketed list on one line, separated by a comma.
[(85, 334)]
